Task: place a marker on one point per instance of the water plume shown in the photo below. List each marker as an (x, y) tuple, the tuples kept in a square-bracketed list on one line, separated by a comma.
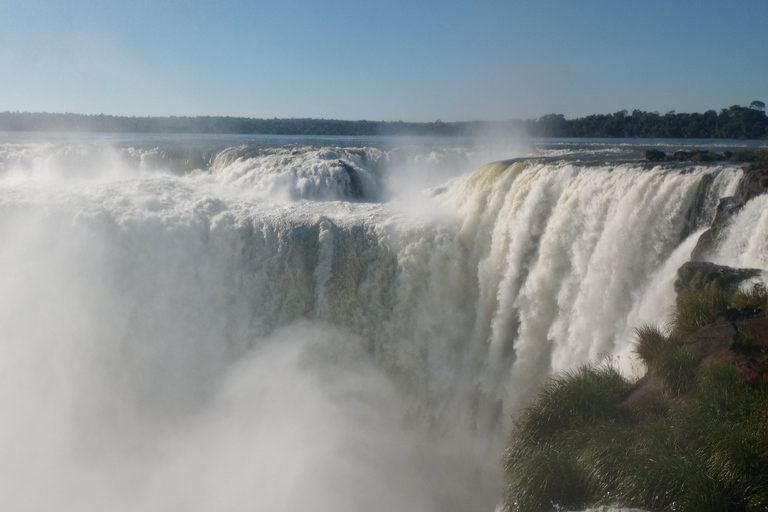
[(200, 340)]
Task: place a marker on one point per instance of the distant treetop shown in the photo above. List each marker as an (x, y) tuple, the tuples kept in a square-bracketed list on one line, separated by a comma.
[(735, 122)]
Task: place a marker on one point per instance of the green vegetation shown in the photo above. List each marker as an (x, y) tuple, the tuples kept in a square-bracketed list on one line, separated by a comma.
[(687, 437), (654, 155), (735, 122), (667, 359), (698, 308), (540, 468), (757, 158), (707, 292), (54, 122)]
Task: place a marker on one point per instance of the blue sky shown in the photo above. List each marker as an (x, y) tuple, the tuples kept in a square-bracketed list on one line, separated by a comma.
[(412, 60)]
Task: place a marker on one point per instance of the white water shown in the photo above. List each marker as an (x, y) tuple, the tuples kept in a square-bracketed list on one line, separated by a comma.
[(745, 243), (215, 341)]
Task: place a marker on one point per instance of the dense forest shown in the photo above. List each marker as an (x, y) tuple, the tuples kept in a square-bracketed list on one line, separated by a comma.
[(735, 122)]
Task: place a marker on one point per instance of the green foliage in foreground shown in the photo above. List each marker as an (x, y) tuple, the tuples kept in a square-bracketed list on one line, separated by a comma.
[(668, 361), (699, 308), (696, 442), (706, 452)]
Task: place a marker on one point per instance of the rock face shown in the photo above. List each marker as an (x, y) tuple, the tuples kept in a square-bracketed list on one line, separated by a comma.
[(753, 183), (697, 276), (698, 410), (726, 209), (745, 346), (356, 190), (740, 335), (691, 224)]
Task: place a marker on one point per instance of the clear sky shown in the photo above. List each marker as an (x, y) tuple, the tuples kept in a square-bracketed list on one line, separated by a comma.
[(410, 60)]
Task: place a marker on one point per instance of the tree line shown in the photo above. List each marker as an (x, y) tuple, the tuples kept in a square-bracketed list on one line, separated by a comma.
[(51, 122), (735, 122)]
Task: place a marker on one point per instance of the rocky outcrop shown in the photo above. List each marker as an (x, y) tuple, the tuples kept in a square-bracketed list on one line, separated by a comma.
[(356, 190), (691, 219), (753, 183), (745, 345), (739, 336), (699, 410), (697, 276)]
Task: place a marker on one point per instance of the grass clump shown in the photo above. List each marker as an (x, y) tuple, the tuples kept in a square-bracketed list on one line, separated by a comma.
[(667, 359), (699, 308), (542, 473), (581, 396), (752, 300), (545, 476), (650, 343), (705, 451), (677, 367), (757, 158), (749, 155), (660, 472), (698, 442), (726, 419)]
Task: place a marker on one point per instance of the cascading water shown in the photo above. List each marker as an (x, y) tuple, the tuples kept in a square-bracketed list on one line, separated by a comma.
[(263, 331)]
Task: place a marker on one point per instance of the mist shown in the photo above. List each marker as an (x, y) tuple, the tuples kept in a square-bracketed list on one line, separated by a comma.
[(335, 327), (157, 356)]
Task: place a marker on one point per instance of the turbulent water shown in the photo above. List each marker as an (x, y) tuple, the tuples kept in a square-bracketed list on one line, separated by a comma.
[(192, 323)]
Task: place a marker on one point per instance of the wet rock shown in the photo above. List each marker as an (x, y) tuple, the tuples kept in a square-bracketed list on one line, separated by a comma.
[(726, 209), (701, 275), (752, 184)]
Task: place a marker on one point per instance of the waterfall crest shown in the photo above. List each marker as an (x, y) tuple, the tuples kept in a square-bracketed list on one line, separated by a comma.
[(156, 322)]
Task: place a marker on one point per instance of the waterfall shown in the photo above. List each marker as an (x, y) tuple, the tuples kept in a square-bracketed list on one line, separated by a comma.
[(189, 340)]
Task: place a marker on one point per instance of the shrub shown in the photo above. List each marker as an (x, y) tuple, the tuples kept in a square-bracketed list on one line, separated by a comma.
[(750, 155), (542, 477), (721, 392), (699, 308), (703, 156), (605, 449), (754, 299), (726, 420), (676, 367), (584, 395), (651, 406), (703, 448), (706, 452), (542, 472), (699, 276), (661, 473), (667, 359), (654, 155), (757, 158), (649, 343)]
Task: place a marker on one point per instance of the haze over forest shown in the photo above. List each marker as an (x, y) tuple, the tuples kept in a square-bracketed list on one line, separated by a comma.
[(735, 122)]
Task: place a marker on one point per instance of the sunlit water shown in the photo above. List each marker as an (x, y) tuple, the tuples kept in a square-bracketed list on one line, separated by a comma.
[(277, 324)]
